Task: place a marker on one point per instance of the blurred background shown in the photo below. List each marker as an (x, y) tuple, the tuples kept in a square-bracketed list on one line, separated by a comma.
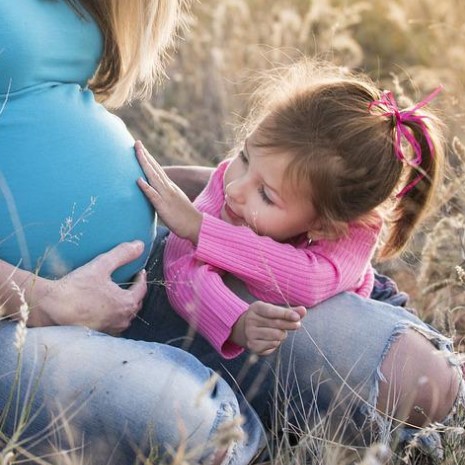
[(407, 46)]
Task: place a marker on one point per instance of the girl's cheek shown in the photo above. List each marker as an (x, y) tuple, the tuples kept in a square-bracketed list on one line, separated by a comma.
[(255, 218)]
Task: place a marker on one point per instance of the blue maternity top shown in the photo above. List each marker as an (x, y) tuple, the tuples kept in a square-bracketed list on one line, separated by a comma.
[(67, 166)]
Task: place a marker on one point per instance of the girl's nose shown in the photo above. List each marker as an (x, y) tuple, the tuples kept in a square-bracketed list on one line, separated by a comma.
[(235, 190)]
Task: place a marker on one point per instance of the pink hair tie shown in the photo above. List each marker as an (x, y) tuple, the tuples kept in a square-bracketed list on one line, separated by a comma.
[(388, 103)]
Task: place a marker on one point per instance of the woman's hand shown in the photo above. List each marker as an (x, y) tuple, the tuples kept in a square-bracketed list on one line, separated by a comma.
[(170, 202), (263, 327), (87, 296)]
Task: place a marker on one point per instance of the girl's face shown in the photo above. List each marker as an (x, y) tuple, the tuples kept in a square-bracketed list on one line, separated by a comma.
[(255, 195)]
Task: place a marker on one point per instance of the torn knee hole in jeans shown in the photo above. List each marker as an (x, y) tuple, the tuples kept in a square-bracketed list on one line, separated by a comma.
[(427, 438)]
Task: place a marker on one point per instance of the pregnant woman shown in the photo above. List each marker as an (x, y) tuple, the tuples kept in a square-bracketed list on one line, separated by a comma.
[(68, 194)]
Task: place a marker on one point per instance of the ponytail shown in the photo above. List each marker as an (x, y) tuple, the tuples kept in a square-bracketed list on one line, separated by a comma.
[(416, 197)]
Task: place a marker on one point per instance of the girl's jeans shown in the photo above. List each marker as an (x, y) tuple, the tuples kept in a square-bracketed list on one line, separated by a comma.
[(327, 370)]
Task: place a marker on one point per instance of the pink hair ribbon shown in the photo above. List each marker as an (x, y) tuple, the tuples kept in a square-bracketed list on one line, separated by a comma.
[(389, 104)]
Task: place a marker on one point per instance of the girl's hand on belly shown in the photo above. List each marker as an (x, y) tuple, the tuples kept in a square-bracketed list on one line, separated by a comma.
[(87, 296), (171, 203)]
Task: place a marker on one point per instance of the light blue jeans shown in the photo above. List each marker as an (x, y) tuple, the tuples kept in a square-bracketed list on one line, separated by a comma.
[(114, 400), (327, 371)]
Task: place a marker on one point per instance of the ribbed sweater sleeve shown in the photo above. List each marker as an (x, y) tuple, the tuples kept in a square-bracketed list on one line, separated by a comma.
[(198, 294), (195, 289), (285, 273)]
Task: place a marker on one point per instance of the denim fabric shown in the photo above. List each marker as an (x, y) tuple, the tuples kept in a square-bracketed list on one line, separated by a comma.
[(385, 290), (331, 365), (111, 399)]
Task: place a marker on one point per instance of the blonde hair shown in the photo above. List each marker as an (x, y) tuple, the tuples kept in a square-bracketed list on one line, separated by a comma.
[(343, 153), (137, 35)]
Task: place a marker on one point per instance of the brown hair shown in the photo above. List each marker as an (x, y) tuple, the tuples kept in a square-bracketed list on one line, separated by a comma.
[(343, 153), (137, 34)]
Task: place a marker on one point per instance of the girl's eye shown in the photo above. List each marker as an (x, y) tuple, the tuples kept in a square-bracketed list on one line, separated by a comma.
[(266, 199), (243, 157)]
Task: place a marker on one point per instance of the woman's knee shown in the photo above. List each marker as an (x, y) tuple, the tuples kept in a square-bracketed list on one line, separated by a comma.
[(420, 386), (122, 396)]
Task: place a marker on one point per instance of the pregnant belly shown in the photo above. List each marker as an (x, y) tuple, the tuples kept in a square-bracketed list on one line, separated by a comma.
[(68, 183)]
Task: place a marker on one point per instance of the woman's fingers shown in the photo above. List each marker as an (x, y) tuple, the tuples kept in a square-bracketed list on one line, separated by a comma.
[(96, 300), (120, 255), (139, 288)]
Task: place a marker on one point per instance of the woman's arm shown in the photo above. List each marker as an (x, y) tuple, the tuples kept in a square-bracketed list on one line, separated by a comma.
[(12, 278), (87, 296)]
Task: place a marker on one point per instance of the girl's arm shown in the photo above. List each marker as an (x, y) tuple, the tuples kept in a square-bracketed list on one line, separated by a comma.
[(282, 273), (198, 294), (87, 296)]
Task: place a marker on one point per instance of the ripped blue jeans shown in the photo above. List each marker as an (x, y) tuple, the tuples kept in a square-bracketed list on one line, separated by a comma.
[(93, 398), (330, 366)]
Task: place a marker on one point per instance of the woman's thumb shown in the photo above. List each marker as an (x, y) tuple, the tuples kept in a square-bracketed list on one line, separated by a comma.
[(120, 255)]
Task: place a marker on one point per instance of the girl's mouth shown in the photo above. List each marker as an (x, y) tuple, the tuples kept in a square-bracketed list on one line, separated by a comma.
[(231, 215)]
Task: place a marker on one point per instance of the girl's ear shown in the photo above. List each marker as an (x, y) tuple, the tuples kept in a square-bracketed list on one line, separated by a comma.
[(315, 231), (309, 238), (330, 231)]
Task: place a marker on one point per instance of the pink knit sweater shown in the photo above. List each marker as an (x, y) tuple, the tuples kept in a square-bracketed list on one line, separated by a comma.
[(279, 273)]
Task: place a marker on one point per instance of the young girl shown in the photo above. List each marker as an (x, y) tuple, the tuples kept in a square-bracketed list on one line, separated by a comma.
[(295, 214)]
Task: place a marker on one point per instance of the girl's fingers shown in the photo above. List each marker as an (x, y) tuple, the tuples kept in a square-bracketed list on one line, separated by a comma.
[(263, 347), (283, 325), (267, 334), (267, 352), (149, 161), (149, 191), (153, 175), (146, 161), (270, 311), (300, 310)]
